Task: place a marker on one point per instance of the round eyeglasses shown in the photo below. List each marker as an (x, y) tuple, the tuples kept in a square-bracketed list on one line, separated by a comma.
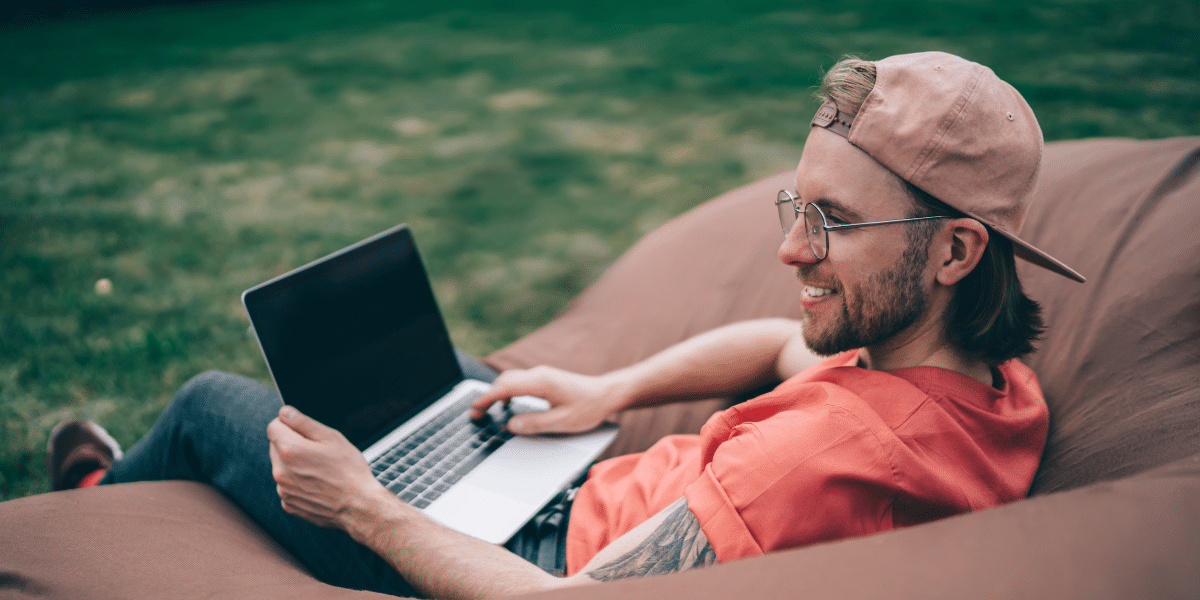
[(816, 228)]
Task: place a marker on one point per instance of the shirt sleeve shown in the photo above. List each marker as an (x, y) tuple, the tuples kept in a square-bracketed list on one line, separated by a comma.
[(806, 474)]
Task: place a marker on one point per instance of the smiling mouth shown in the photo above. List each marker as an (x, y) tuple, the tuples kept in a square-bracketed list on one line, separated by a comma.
[(816, 292)]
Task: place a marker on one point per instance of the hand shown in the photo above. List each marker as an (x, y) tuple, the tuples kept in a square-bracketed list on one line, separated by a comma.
[(320, 476), (577, 402)]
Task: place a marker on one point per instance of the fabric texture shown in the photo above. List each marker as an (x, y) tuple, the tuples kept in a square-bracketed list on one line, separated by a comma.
[(835, 452), (174, 539), (1118, 362)]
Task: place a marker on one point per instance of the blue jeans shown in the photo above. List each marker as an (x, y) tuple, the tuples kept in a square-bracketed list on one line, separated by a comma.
[(215, 432)]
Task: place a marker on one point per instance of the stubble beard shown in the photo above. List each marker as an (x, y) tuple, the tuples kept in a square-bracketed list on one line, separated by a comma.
[(888, 303)]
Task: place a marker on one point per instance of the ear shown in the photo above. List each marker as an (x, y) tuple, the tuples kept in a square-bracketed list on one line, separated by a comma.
[(967, 239)]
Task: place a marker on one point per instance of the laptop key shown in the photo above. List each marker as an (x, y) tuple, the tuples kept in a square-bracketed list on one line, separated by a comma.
[(446, 448)]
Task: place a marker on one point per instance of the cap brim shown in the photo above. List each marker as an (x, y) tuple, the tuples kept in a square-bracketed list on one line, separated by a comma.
[(1023, 250), (1028, 252)]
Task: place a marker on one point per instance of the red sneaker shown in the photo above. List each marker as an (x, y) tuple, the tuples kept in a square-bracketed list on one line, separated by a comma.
[(78, 449)]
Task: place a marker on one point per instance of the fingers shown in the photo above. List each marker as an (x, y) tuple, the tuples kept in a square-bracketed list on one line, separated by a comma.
[(277, 469), (285, 448), (480, 406), (574, 406), (291, 452), (314, 479), (535, 423), (555, 420), (515, 382), (279, 433), (303, 424)]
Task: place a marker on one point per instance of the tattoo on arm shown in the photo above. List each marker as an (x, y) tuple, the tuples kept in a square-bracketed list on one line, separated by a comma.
[(678, 544)]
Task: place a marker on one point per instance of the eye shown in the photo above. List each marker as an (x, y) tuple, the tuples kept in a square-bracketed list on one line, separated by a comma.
[(836, 220)]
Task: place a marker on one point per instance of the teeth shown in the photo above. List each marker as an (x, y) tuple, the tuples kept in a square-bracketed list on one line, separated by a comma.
[(817, 292)]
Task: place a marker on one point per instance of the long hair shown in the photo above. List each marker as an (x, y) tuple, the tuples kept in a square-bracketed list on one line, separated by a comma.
[(990, 317)]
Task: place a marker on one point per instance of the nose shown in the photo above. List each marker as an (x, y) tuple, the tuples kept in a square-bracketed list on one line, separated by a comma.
[(795, 249)]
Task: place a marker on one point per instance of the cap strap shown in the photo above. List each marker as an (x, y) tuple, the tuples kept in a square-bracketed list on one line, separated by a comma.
[(829, 117)]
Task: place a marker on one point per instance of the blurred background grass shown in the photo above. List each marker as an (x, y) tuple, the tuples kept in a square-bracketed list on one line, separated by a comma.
[(187, 153)]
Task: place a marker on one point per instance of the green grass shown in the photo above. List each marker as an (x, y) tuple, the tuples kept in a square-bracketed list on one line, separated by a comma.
[(188, 154)]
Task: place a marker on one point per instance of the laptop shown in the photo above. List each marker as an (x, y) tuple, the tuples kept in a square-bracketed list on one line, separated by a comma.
[(356, 341)]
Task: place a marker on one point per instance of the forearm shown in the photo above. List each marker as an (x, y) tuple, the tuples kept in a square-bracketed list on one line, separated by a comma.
[(439, 562), (721, 362)]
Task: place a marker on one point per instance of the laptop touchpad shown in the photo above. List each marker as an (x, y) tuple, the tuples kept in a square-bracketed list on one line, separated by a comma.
[(518, 468)]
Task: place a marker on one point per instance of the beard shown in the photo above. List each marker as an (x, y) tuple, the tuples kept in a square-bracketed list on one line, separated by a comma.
[(886, 304)]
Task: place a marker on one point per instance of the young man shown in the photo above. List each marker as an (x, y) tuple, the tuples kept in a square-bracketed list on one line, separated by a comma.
[(901, 229)]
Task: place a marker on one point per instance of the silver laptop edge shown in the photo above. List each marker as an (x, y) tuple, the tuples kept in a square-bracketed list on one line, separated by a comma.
[(496, 498)]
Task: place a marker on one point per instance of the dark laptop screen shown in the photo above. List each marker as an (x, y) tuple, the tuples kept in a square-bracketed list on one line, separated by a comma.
[(355, 340)]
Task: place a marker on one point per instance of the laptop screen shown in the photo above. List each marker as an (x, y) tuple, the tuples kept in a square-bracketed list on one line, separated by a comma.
[(355, 339)]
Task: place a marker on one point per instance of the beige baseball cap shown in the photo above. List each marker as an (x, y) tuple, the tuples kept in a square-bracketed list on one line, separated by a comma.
[(952, 128)]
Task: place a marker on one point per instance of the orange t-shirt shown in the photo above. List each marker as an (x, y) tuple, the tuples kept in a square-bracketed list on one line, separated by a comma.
[(834, 452)]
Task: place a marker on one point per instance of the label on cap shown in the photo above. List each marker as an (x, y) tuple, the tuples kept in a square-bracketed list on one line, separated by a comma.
[(825, 115), (828, 117)]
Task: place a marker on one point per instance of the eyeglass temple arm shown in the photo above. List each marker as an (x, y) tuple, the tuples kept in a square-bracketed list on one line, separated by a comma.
[(856, 225)]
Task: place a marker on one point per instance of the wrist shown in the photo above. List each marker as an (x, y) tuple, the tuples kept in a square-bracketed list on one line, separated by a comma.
[(621, 389), (369, 512)]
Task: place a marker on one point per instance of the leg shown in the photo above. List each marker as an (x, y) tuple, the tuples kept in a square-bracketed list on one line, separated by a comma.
[(215, 432)]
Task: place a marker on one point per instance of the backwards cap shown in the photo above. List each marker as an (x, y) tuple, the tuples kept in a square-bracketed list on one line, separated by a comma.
[(952, 128)]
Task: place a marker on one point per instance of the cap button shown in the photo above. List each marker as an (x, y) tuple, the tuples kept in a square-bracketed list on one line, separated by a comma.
[(1010, 116)]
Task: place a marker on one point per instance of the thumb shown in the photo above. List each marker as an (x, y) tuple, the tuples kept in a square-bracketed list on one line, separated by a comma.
[(529, 424), (303, 424), (549, 421)]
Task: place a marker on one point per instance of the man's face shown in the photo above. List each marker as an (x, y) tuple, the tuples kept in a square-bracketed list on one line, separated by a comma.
[(872, 285)]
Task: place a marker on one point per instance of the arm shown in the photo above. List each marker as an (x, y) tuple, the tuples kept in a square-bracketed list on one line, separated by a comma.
[(668, 542), (443, 563), (322, 478), (722, 362)]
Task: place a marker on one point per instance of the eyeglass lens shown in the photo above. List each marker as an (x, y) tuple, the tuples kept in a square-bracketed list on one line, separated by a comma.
[(787, 211), (814, 229), (814, 222)]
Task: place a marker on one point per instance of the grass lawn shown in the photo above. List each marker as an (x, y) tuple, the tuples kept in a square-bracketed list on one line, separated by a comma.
[(187, 154)]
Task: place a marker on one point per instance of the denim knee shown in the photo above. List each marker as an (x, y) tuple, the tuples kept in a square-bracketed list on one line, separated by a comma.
[(215, 397)]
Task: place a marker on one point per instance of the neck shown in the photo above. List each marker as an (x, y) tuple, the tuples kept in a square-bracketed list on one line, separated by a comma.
[(926, 347)]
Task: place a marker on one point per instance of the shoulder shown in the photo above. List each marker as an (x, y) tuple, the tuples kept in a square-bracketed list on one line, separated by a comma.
[(805, 464), (796, 435)]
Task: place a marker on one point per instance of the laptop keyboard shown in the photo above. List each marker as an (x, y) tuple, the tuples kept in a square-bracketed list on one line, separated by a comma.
[(424, 465)]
